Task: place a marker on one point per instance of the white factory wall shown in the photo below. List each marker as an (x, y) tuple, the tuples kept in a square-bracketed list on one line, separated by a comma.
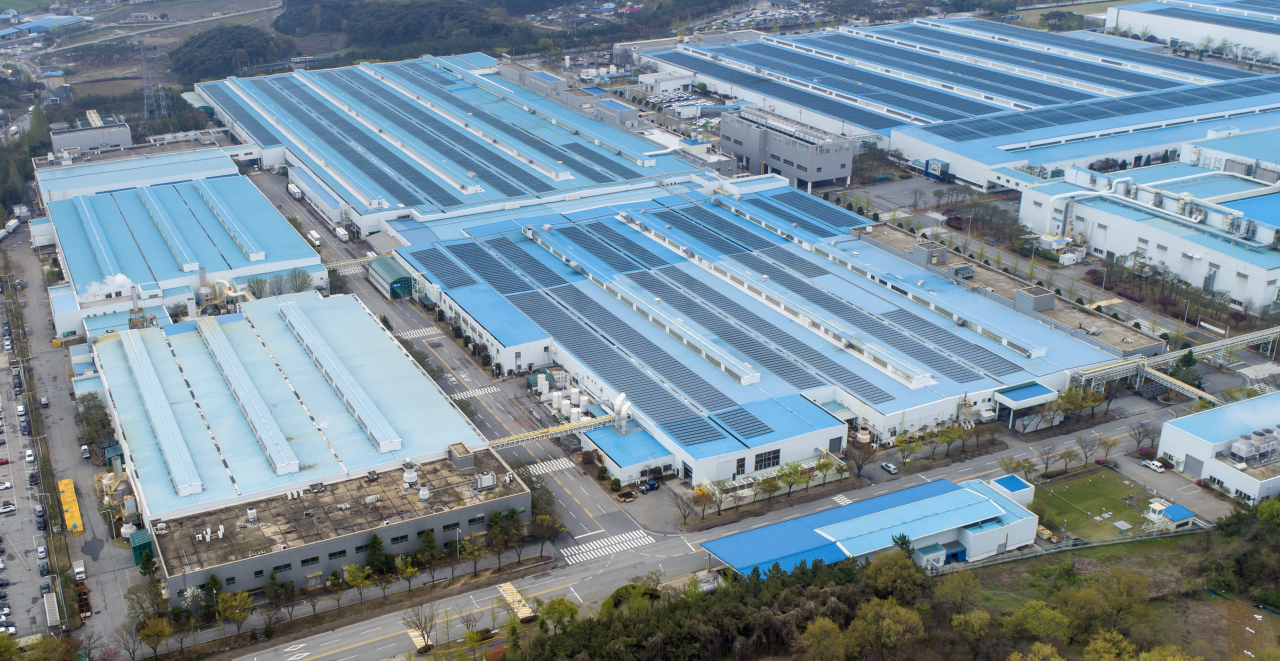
[(1165, 27), (1178, 445)]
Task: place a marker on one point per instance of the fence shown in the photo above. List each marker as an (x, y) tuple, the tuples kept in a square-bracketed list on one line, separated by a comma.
[(1036, 550)]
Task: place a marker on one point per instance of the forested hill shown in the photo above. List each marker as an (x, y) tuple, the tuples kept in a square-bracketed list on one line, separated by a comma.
[(222, 51)]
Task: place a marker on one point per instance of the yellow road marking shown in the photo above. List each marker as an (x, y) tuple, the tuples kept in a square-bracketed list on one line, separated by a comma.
[(445, 622)]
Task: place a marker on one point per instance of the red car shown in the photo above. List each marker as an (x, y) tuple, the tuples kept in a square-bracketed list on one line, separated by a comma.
[(4, 461)]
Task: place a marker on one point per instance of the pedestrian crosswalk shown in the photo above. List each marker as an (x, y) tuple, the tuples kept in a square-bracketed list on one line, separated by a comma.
[(544, 467), (418, 640), (419, 332), (1259, 371), (351, 270), (841, 500), (606, 546), (474, 393)]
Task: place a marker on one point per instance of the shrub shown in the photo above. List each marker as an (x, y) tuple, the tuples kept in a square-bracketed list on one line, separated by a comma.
[(1164, 336), (900, 225), (1079, 300), (486, 360), (1137, 325), (457, 332), (615, 485), (1101, 462), (904, 175), (1115, 315), (1091, 272), (603, 473), (826, 196), (466, 340), (439, 315), (1146, 453), (1058, 291)]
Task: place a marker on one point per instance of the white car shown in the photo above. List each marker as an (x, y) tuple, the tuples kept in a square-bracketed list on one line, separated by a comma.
[(42, 552), (5, 485), (1153, 465), (31, 456), (12, 631), (890, 468), (5, 509)]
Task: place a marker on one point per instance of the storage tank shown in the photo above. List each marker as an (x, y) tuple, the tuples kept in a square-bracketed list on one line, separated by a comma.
[(575, 415), (564, 408), (555, 399), (575, 396)]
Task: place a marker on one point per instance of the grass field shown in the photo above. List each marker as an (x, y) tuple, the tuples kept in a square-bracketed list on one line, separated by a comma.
[(20, 5), (1078, 500)]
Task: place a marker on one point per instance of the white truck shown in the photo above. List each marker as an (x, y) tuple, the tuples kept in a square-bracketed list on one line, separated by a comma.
[(78, 567), (295, 192), (341, 234), (314, 237)]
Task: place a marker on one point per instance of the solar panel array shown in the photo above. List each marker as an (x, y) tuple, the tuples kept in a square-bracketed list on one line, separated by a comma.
[(830, 214), (449, 274), (696, 231), (533, 142), (893, 92), (813, 228), (958, 346), (1001, 125), (494, 165), (1262, 5), (866, 322), (610, 257), (743, 422), (772, 88), (631, 248), (1217, 18), (541, 273), (795, 262), (802, 351), (635, 343), (947, 70), (758, 352), (1167, 62), (726, 227), (394, 189), (675, 416), (240, 115), (1026, 58), (601, 160), (494, 272), (410, 171)]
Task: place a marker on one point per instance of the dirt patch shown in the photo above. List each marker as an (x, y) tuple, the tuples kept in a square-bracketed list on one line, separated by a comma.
[(1245, 632), (107, 87)]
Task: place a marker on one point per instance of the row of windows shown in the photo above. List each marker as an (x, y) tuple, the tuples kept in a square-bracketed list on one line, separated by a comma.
[(768, 459)]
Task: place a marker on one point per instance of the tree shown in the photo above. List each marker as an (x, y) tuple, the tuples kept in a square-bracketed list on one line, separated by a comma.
[(822, 640), (701, 499), (386, 322), (884, 623), (1088, 446), (358, 577), (1036, 620), (473, 553), (9, 648), (824, 466), (792, 474), (1108, 444), (957, 592), (298, 280), (407, 571), (1069, 456), (860, 455), (222, 51), (256, 286), (126, 638), (1039, 652), (908, 447), (559, 612), (235, 606), (147, 565), (498, 539), (1047, 456), (903, 542), (90, 642), (1144, 432), (1109, 645), (1083, 608), (154, 632), (1172, 653), (895, 574), (312, 597), (768, 486), (1124, 595), (421, 619), (1011, 465), (544, 528), (274, 590)]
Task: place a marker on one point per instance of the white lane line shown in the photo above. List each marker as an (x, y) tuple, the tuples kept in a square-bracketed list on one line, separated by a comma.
[(369, 631), (686, 543), (968, 469)]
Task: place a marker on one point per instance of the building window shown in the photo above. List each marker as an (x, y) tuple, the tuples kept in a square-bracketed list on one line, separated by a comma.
[(231, 580), (451, 526), (477, 520), (843, 165), (258, 574), (802, 168), (787, 162), (1036, 204), (422, 533), (737, 142), (307, 562), (819, 170), (400, 539), (741, 467), (774, 157), (362, 548), (338, 554), (280, 569), (768, 459)]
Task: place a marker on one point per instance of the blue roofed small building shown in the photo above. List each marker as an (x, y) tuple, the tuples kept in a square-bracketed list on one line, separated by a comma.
[(1232, 448), (261, 430), (945, 522), (155, 245)]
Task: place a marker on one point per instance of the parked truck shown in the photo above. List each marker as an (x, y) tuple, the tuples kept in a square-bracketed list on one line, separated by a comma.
[(314, 237), (295, 192), (51, 612), (78, 567), (341, 234)]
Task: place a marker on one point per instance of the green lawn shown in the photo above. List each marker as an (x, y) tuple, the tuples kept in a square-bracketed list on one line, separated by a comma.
[(1093, 494), (21, 5)]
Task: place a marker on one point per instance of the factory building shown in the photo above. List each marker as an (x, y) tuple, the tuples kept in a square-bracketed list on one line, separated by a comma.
[(91, 132), (126, 243), (945, 522), (1251, 28), (278, 438), (1232, 447), (1204, 219)]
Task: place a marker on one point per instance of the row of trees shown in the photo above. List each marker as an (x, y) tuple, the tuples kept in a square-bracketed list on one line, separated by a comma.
[(290, 282), (887, 608), (1135, 277)]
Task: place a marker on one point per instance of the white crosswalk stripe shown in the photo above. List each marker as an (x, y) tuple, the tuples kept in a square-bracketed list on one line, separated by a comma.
[(606, 546), (419, 332), (1260, 371), (841, 500), (544, 467), (351, 270), (474, 393)]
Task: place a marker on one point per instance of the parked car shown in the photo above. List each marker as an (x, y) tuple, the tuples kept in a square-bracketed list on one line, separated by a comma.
[(45, 589), (7, 507), (4, 461), (44, 569), (26, 430), (890, 468), (41, 525), (40, 510), (42, 552), (1153, 465), (44, 402), (4, 582), (5, 485), (31, 456), (32, 478)]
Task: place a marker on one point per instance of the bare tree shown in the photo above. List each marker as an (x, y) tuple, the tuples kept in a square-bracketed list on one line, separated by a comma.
[(422, 619), (257, 287), (1144, 432), (1108, 444), (313, 598), (1088, 446), (1047, 456), (916, 196), (683, 506), (860, 455), (92, 641), (298, 280), (469, 620), (277, 286), (127, 639)]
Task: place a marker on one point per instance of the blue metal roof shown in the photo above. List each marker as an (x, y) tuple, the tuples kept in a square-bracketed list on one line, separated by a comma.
[(496, 315), (1224, 423), (1012, 483), (1265, 208), (1255, 145), (637, 448), (1176, 512), (1027, 392)]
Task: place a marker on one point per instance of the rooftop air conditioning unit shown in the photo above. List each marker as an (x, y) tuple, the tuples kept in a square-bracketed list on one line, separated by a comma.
[(486, 480)]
